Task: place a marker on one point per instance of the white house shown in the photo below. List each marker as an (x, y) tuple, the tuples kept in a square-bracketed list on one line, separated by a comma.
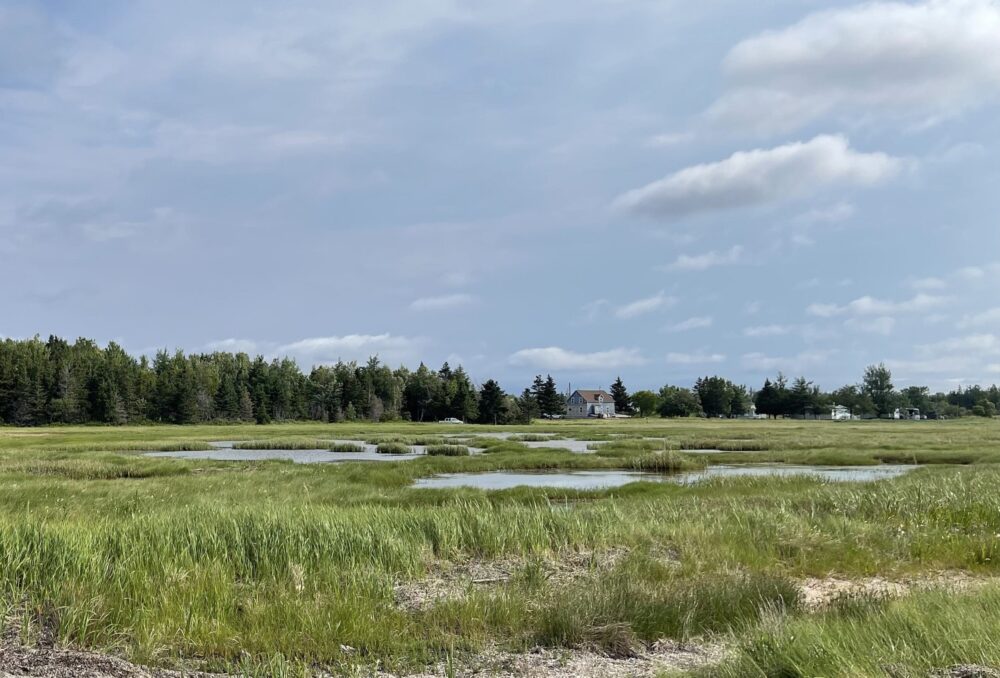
[(840, 413), (582, 404)]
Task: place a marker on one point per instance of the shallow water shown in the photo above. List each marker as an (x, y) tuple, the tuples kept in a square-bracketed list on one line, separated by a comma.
[(298, 456), (589, 480), (834, 473), (501, 480)]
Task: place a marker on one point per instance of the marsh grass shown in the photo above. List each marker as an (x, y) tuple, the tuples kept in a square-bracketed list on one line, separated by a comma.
[(347, 447), (393, 448), (268, 568), (281, 444), (448, 450), (429, 440), (378, 440), (913, 636)]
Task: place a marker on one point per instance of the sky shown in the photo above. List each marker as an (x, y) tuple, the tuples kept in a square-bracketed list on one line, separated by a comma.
[(654, 189)]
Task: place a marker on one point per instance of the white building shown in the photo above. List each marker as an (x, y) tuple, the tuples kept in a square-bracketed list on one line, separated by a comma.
[(840, 413), (583, 404)]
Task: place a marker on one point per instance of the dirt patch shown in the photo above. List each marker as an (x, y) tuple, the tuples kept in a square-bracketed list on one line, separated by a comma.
[(662, 656), (818, 593), (452, 579), (21, 662), (966, 671)]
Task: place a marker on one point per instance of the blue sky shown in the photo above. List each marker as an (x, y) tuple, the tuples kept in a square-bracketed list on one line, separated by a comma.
[(657, 189)]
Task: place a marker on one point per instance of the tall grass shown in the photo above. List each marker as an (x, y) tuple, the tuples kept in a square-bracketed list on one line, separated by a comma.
[(448, 450), (268, 569), (915, 636), (346, 447), (281, 444), (394, 448)]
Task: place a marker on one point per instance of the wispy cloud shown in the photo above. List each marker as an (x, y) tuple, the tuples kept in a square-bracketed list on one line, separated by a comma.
[(767, 330), (316, 350), (233, 345), (988, 317), (758, 177), (702, 262), (841, 211), (879, 325), (694, 323), (697, 358), (442, 303), (668, 139), (557, 358), (800, 362), (872, 306), (643, 306)]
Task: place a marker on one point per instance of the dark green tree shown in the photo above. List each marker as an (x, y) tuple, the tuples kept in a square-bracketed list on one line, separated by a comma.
[(623, 402)]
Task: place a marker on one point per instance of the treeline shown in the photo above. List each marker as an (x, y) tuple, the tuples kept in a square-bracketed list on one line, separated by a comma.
[(56, 382), (874, 396)]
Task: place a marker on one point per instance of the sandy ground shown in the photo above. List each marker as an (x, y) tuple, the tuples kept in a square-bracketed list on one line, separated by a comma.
[(17, 661), (817, 593)]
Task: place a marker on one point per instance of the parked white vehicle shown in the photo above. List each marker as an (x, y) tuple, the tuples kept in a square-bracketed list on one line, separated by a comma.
[(452, 420)]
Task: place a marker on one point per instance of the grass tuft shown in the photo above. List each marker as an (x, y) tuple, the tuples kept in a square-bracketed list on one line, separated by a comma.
[(393, 448), (448, 450)]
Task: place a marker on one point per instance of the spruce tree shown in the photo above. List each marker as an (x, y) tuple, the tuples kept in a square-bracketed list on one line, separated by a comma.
[(623, 403)]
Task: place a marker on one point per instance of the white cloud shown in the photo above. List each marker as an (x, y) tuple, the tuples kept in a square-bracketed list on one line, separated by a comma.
[(971, 273), (758, 177), (556, 358), (880, 325), (871, 306), (247, 346), (701, 262), (644, 306), (695, 323), (442, 303), (767, 330), (699, 358), (841, 211), (592, 309), (987, 317), (792, 364), (389, 347), (924, 61), (972, 344)]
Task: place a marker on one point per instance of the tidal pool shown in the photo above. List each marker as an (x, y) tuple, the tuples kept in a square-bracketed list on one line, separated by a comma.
[(590, 480)]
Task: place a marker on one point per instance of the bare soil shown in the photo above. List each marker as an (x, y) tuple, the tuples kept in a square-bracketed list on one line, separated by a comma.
[(818, 593)]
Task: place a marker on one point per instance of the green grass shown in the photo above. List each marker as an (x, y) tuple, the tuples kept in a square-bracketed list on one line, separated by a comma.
[(394, 448), (912, 636), (282, 444), (448, 450), (268, 568), (347, 447)]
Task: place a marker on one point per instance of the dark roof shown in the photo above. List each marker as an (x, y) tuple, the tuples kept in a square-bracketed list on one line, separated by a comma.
[(591, 396)]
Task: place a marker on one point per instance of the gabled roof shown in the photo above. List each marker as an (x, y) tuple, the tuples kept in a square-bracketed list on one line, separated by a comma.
[(592, 396)]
